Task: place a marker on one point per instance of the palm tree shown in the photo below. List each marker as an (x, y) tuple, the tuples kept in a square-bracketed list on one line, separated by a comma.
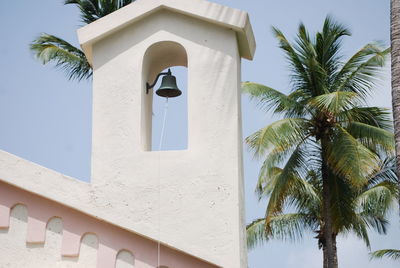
[(357, 210), (395, 45), (395, 62), (390, 253), (327, 126), (49, 48)]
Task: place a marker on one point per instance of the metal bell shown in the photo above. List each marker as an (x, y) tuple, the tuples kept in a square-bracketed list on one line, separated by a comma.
[(168, 88)]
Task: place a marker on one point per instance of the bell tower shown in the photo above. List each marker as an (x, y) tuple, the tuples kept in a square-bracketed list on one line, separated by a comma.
[(191, 199)]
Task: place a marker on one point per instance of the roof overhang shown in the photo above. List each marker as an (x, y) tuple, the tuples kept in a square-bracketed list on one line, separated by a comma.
[(220, 15)]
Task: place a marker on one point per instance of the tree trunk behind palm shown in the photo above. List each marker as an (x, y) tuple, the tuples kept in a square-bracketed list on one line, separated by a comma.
[(329, 240), (395, 50)]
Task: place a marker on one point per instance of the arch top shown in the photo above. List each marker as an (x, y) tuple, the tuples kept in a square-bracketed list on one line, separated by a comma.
[(162, 55), (125, 259)]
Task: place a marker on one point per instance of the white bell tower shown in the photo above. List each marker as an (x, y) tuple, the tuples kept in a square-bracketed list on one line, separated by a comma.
[(191, 199)]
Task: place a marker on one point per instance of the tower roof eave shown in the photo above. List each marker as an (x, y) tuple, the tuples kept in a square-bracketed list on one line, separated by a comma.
[(222, 16)]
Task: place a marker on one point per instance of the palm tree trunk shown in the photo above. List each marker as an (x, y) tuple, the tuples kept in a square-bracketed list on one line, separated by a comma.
[(335, 258), (329, 245), (395, 50), (325, 256), (325, 252)]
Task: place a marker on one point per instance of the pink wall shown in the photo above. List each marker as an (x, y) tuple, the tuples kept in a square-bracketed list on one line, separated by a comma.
[(111, 238)]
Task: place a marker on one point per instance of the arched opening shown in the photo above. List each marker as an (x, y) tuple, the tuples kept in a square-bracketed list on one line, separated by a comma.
[(88, 249), (54, 230), (125, 259), (169, 118), (15, 234), (164, 120)]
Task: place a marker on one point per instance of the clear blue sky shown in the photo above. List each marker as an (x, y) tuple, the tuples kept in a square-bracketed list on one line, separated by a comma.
[(46, 119)]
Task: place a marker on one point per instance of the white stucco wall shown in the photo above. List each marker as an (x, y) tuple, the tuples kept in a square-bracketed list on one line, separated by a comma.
[(201, 197)]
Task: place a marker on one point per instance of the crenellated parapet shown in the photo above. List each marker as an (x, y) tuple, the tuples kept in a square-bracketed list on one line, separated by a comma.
[(112, 241)]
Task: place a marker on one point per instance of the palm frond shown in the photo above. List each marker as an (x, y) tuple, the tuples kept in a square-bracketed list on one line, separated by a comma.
[(381, 191), (305, 197), (284, 227), (374, 116), (349, 158), (389, 253), (92, 10), (365, 74), (267, 175), (295, 167), (270, 170), (300, 76), (49, 48), (359, 58), (316, 74), (358, 226), (255, 233), (270, 99), (282, 133), (374, 204), (289, 226), (386, 173), (379, 223), (371, 136), (328, 44), (342, 203), (334, 103)]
